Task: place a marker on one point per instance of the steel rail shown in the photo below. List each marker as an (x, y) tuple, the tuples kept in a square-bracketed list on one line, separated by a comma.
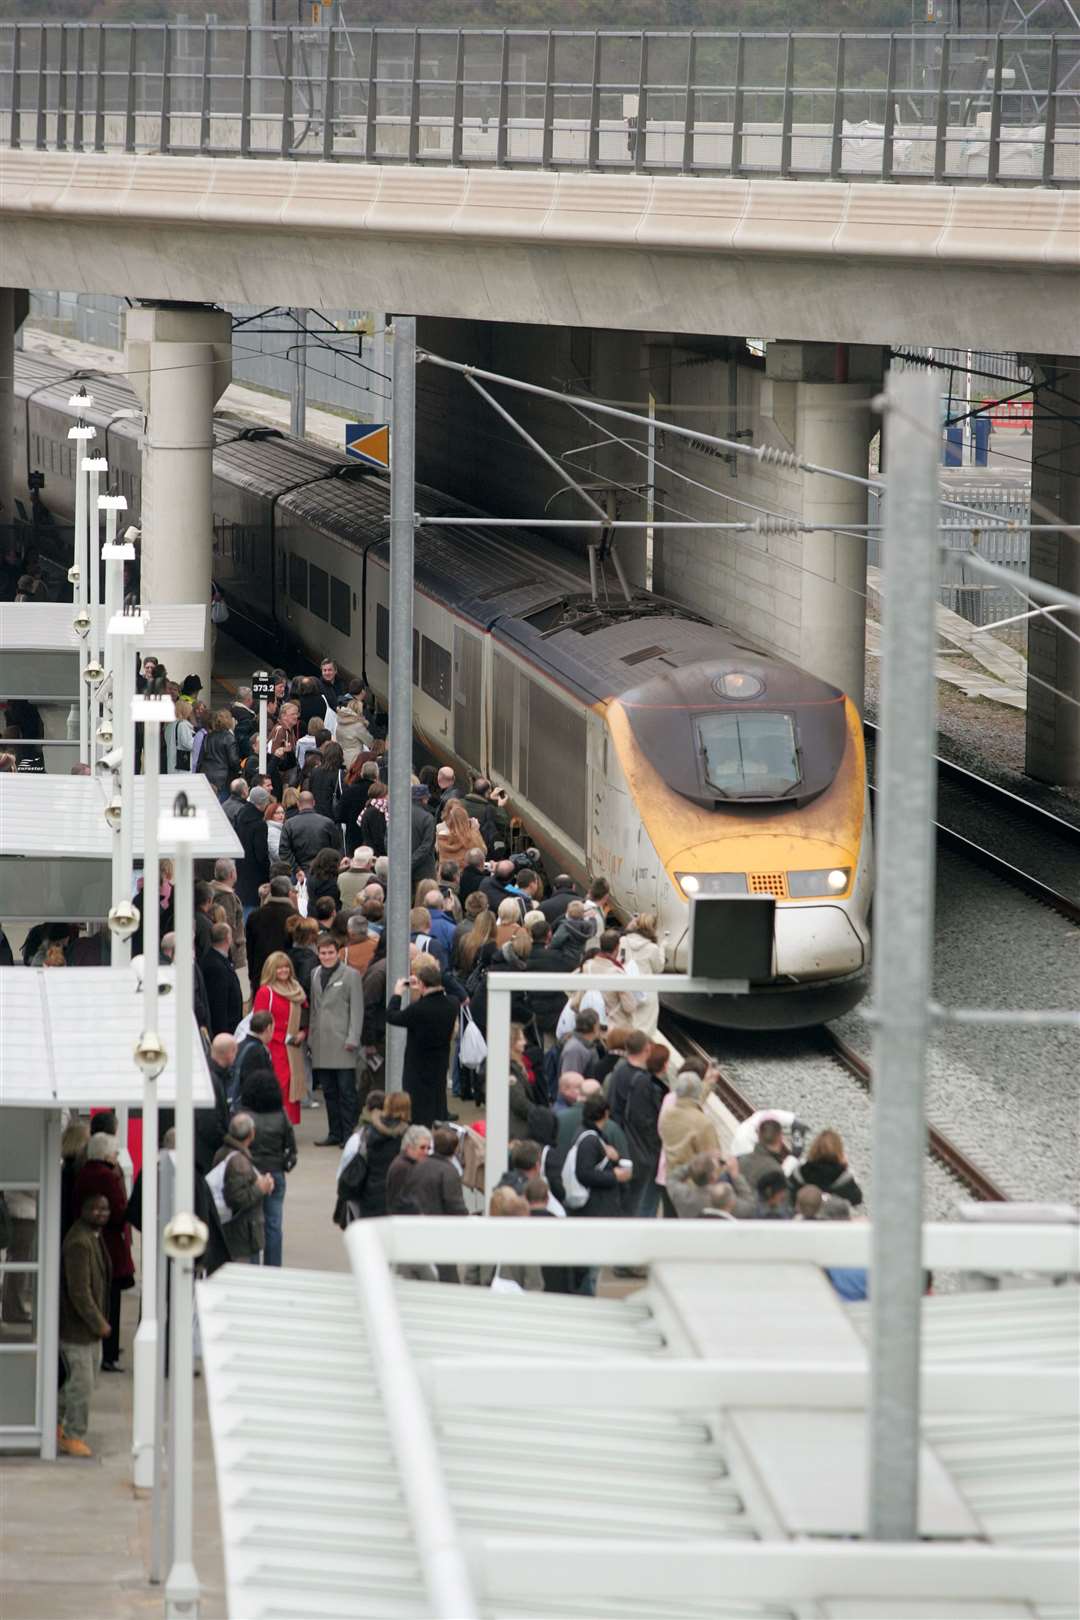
[(939, 1146), (1002, 799)]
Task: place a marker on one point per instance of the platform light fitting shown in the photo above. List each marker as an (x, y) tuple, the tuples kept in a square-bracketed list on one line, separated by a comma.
[(123, 918), (104, 733), (113, 811), (74, 574), (93, 673), (185, 1237), (150, 1055), (81, 623)]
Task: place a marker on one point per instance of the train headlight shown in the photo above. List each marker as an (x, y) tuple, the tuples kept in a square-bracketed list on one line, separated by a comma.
[(829, 880), (711, 882)]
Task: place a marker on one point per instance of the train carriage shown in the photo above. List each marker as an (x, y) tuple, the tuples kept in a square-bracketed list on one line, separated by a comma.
[(635, 739)]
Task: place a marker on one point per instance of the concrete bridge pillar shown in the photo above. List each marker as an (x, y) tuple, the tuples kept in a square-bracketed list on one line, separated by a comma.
[(13, 306), (833, 427), (1053, 717), (179, 364), (800, 595)]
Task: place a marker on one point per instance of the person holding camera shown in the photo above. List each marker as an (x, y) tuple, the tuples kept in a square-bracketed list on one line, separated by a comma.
[(430, 1019)]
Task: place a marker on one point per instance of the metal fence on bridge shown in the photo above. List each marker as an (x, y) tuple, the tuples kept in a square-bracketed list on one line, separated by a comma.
[(961, 588), (947, 108)]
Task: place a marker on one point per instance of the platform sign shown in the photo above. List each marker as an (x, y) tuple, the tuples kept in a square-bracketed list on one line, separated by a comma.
[(368, 442), (262, 684)]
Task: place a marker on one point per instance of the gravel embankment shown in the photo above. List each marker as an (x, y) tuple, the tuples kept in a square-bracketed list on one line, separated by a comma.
[(1009, 832), (1009, 1097), (987, 738)]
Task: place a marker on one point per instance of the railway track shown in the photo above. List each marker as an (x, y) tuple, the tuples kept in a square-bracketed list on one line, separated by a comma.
[(1024, 845), (953, 1159)]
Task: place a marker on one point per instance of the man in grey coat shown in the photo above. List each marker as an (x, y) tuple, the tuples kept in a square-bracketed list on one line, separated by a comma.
[(337, 1018)]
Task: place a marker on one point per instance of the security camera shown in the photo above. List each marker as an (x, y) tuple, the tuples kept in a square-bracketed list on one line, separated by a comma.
[(104, 733), (93, 673), (133, 533), (74, 574), (113, 759), (150, 1055), (113, 811), (81, 623), (123, 919), (186, 1237)]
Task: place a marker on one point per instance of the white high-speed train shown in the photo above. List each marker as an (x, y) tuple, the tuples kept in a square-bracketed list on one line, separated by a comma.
[(635, 740)]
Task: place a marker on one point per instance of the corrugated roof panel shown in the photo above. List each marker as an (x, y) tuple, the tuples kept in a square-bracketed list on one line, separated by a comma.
[(47, 626), (57, 816), (313, 1517), (67, 1037), (1020, 1475)]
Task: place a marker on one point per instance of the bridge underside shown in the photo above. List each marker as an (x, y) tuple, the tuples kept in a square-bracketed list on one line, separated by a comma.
[(818, 262)]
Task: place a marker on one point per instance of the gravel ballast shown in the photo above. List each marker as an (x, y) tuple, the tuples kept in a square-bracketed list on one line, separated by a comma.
[(1009, 1097)]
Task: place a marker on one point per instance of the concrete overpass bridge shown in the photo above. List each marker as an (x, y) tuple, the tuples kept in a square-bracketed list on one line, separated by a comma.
[(570, 178), (646, 195)]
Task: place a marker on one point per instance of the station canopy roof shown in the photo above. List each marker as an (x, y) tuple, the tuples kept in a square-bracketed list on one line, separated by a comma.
[(466, 1452), (67, 1038), (63, 817)]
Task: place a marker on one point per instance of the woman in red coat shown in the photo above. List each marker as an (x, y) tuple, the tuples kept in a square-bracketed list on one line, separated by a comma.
[(281, 994), (102, 1174)]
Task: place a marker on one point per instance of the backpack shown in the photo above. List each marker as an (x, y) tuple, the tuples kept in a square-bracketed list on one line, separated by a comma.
[(476, 981), (577, 1196), (215, 1180), (352, 1177), (549, 1069)]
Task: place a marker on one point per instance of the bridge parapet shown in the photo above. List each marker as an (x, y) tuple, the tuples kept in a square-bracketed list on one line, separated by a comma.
[(947, 109)]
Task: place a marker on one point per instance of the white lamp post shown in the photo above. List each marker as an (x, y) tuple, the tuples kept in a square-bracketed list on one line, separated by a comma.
[(124, 629), (96, 467), (185, 1236), (150, 1059), (81, 434)]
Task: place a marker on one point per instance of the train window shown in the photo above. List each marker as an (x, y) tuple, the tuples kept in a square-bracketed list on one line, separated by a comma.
[(416, 658), (435, 671), (340, 616), (502, 719), (382, 633), (298, 579), (319, 592), (749, 756), (554, 761)]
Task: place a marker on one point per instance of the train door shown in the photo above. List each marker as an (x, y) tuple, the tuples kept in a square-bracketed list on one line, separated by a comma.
[(612, 845), (468, 697)]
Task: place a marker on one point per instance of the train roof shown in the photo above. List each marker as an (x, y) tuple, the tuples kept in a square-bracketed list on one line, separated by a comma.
[(53, 382), (529, 592)]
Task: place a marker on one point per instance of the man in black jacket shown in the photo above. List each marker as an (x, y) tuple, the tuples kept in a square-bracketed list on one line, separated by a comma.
[(246, 716), (546, 1005), (224, 996), (211, 1124), (423, 842), (250, 828), (307, 833), (430, 1019), (266, 931), (238, 796), (563, 891)]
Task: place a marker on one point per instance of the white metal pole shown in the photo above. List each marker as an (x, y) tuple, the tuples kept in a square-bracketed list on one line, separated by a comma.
[(497, 1107), (98, 466), (152, 711), (402, 520), (298, 411), (262, 736), (81, 434), (182, 1590), (904, 944)]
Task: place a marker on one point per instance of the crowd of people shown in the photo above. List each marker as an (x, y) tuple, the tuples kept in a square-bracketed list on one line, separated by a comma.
[(293, 1004)]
